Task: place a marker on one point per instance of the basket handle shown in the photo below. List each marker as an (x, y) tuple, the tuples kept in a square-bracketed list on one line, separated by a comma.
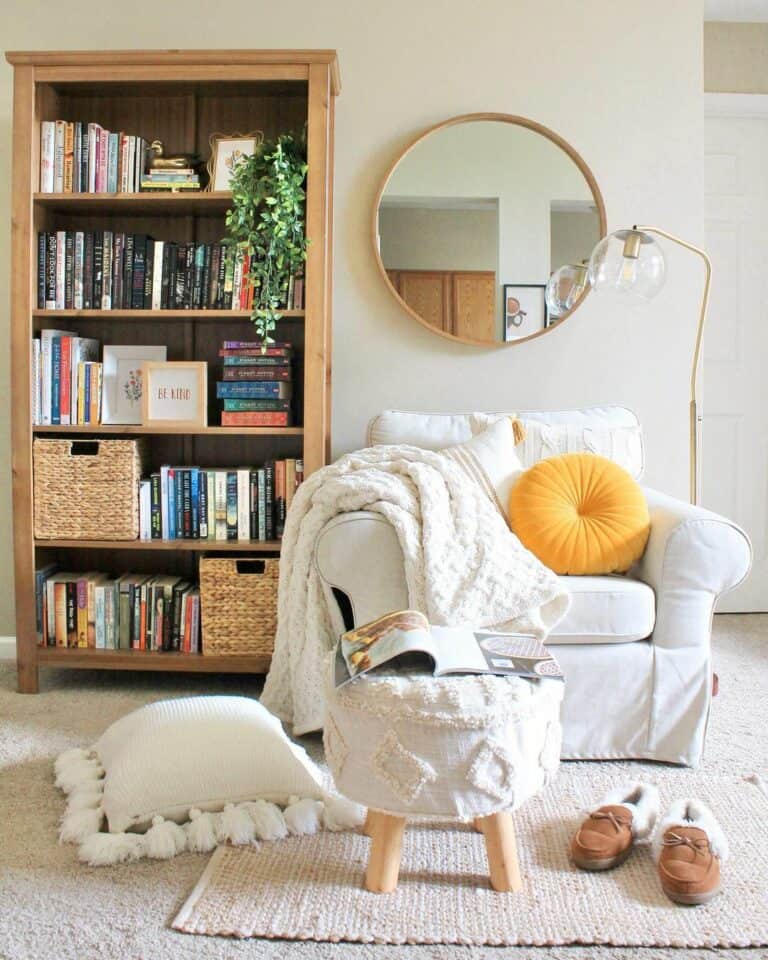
[(84, 448), (250, 567)]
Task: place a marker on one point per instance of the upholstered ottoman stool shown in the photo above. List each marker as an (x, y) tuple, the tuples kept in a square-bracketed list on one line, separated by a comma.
[(470, 747)]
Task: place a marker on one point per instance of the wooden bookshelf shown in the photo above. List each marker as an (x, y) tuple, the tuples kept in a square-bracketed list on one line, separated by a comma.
[(180, 97)]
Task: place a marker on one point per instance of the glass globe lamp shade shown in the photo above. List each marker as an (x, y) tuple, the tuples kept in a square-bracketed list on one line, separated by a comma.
[(564, 289), (628, 264)]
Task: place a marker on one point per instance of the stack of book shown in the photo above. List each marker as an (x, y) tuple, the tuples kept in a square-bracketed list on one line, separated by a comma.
[(66, 379), (170, 181), (244, 503), (86, 158), (136, 611), (256, 384)]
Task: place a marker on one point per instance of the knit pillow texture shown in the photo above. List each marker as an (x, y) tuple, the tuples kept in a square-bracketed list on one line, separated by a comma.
[(580, 514), (490, 459)]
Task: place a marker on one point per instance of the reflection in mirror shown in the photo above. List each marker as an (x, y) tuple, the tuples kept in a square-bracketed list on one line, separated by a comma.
[(474, 217)]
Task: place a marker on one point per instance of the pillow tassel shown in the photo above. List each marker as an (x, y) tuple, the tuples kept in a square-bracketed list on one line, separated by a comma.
[(235, 826), (342, 814), (268, 820), (303, 816), (78, 772), (78, 825), (74, 756), (201, 831), (106, 849), (164, 839), (86, 796)]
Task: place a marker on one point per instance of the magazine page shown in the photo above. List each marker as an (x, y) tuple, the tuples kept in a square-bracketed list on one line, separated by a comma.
[(463, 650), (379, 642)]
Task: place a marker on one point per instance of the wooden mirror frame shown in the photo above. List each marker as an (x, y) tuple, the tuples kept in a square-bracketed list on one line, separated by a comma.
[(469, 118)]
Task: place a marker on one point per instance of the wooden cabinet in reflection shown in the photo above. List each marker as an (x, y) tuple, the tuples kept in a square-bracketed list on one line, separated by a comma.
[(462, 303)]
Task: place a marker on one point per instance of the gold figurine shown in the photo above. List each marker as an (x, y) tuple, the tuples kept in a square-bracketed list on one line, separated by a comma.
[(157, 159)]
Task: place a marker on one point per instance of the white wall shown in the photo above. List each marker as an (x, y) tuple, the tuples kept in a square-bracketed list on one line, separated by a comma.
[(428, 238), (623, 86)]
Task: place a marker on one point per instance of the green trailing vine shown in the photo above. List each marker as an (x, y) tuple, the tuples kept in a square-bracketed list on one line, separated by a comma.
[(266, 221)]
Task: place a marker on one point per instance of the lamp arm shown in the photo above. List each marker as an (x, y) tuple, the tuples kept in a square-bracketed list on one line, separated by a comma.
[(695, 419)]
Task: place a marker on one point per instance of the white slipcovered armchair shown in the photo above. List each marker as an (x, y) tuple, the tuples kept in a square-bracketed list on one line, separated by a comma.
[(635, 649)]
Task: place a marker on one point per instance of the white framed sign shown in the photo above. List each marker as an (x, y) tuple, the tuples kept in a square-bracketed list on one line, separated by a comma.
[(175, 394), (124, 380)]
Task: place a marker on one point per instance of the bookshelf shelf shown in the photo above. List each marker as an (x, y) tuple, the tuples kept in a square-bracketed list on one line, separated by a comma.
[(120, 204), (210, 546), (140, 431), (213, 316), (149, 660), (182, 98)]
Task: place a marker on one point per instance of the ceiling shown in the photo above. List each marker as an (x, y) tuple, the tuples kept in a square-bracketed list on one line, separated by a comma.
[(751, 11)]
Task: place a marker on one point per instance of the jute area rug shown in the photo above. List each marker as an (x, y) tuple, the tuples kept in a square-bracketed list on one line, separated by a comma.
[(309, 888)]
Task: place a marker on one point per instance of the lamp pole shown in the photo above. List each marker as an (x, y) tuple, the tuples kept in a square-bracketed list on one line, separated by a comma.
[(695, 416)]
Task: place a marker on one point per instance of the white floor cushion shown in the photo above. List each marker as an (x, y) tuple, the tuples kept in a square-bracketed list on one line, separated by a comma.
[(606, 610)]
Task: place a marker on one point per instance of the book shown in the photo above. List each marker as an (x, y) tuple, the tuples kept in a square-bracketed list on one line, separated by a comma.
[(243, 504), (220, 504), (406, 640), (255, 419), (232, 514), (58, 156), (47, 149), (226, 390), (256, 373), (256, 404)]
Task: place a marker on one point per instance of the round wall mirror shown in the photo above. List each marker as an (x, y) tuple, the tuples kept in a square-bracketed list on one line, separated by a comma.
[(476, 217)]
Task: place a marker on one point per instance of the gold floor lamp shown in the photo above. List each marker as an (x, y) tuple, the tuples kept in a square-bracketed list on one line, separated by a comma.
[(630, 262)]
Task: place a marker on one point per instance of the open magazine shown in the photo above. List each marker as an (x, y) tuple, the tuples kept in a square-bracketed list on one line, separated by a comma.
[(405, 641)]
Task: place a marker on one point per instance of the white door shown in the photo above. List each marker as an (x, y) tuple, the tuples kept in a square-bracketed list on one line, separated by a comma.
[(734, 456)]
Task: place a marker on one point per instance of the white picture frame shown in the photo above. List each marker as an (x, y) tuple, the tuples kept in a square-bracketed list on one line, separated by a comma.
[(123, 367), (525, 310), (175, 394)]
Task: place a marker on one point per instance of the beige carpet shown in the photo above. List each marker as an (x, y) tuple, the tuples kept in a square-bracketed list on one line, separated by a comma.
[(52, 908), (308, 888)]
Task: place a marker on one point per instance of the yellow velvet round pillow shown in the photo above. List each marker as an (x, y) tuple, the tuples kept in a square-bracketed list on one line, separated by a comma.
[(580, 514)]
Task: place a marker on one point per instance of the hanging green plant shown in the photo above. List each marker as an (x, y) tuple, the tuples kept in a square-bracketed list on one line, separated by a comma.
[(266, 222)]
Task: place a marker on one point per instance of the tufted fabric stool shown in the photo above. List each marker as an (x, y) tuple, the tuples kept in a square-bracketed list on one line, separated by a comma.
[(472, 747)]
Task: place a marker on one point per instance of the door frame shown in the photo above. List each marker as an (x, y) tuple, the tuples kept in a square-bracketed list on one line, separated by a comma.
[(736, 104)]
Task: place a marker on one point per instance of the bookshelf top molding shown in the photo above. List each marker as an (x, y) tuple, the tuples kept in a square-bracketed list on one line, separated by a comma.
[(83, 59)]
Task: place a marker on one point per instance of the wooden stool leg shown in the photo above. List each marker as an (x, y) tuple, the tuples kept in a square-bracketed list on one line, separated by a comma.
[(386, 833), (501, 847), (477, 824), (367, 827)]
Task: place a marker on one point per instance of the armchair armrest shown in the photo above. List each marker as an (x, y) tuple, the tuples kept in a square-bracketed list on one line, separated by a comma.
[(692, 548), (693, 556)]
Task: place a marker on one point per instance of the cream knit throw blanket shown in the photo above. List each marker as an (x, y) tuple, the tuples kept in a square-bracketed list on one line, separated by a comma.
[(462, 564)]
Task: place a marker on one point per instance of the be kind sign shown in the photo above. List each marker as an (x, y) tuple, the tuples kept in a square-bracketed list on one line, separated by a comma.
[(175, 394)]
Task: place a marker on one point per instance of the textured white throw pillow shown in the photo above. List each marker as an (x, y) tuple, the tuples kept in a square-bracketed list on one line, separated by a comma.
[(219, 766), (203, 752), (491, 460)]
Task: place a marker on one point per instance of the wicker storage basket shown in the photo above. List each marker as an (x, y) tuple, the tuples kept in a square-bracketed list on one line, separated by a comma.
[(238, 605), (87, 489)]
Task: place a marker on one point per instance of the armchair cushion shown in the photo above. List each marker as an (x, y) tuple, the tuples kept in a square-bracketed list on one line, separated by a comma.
[(606, 610)]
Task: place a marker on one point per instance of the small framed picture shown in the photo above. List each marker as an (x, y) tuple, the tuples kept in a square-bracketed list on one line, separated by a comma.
[(124, 380), (175, 394), (525, 310), (227, 150)]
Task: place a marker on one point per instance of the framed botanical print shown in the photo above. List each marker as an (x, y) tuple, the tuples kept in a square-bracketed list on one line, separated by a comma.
[(175, 394), (123, 381), (226, 152), (525, 310)]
